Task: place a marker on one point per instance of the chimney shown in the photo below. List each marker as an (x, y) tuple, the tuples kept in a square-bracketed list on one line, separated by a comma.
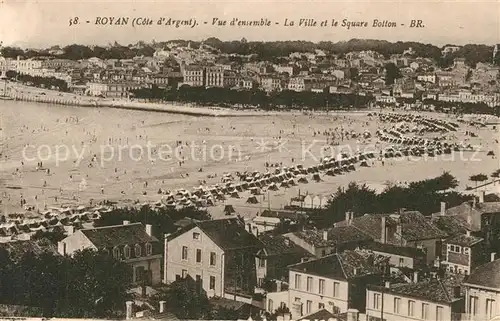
[(163, 304), (467, 233), (61, 248), (249, 228), (387, 284), (129, 310), (383, 236), (325, 235), (355, 271), (415, 276), (287, 241), (493, 255), (474, 202), (481, 196), (352, 315), (443, 208), (286, 316), (149, 229), (278, 286), (348, 217), (126, 222), (70, 229), (456, 292)]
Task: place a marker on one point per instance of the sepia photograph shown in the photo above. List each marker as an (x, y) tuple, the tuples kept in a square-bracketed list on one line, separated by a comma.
[(250, 160)]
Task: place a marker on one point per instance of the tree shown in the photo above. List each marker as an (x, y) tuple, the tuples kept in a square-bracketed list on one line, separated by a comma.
[(478, 178), (495, 174), (185, 299), (391, 73)]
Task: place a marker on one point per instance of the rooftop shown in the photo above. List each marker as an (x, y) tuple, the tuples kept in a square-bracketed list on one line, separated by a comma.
[(435, 290), (394, 249), (280, 244), (335, 236), (343, 266), (117, 235), (464, 240), (487, 275)]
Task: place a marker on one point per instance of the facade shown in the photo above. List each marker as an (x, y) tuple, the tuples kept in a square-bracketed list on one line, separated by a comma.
[(482, 292), (132, 243), (193, 75), (218, 254), (464, 253), (425, 300), (335, 282), (112, 89), (399, 256)]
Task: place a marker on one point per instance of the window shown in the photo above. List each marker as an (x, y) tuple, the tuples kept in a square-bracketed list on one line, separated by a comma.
[(376, 301), (139, 273), (212, 258), (401, 261), (397, 303), (184, 274), (321, 306), (137, 250), (116, 252), (490, 308), (212, 283), (473, 305), (184, 253), (198, 256), (439, 313), (270, 306), (321, 287), (411, 308), (308, 306), (196, 236), (177, 277), (126, 251), (425, 311), (262, 262), (309, 286), (336, 286), (149, 249), (297, 281), (260, 281)]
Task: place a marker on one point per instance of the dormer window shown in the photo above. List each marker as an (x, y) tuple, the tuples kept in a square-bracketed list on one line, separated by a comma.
[(137, 250), (149, 249), (116, 252), (126, 251)]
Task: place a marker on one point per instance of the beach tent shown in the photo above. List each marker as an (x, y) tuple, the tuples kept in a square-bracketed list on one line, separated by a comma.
[(308, 201), (330, 172), (235, 195), (303, 180), (255, 191), (284, 184), (229, 209), (252, 200), (273, 187), (316, 177)]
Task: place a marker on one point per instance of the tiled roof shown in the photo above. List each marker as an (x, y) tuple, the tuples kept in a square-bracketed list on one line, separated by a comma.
[(487, 275), (436, 290), (336, 236), (280, 244), (394, 249), (452, 225), (322, 314), (464, 240), (228, 233), (414, 225), (117, 235), (343, 266)]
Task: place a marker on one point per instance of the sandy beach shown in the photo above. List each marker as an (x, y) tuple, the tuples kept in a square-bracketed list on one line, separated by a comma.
[(128, 155)]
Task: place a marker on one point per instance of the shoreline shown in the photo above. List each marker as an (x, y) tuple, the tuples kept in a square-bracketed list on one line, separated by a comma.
[(34, 94)]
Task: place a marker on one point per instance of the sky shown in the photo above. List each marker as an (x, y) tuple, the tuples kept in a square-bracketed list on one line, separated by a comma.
[(45, 23)]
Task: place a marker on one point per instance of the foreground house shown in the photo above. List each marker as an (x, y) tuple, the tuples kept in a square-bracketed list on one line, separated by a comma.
[(434, 299), (218, 254), (132, 243), (335, 282), (482, 288)]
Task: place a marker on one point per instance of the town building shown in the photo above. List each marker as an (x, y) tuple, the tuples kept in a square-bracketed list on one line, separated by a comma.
[(335, 282), (433, 299), (218, 254), (131, 242), (482, 292)]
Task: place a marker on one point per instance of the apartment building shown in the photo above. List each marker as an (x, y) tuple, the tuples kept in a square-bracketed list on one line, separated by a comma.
[(435, 299), (482, 292), (218, 254), (335, 282)]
